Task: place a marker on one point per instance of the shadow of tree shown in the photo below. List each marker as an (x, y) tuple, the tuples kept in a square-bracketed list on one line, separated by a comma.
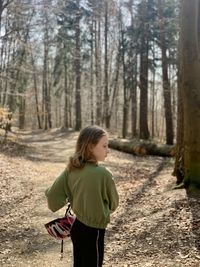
[(194, 204), (163, 235), (135, 196), (40, 145)]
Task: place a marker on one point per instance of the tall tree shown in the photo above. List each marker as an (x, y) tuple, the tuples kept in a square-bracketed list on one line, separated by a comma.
[(64, 60), (190, 90), (98, 70), (46, 81), (35, 85), (144, 63), (130, 90), (165, 76), (106, 95), (126, 97), (4, 46), (78, 67), (96, 7)]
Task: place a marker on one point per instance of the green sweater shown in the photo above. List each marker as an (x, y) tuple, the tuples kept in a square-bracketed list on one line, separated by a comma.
[(91, 192)]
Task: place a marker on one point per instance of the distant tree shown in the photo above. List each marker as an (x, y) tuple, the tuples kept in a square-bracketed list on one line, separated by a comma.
[(46, 88), (78, 66), (82, 66), (132, 57), (165, 75), (63, 71), (35, 85), (96, 7), (3, 5), (106, 95), (130, 72), (4, 47), (125, 77), (144, 65)]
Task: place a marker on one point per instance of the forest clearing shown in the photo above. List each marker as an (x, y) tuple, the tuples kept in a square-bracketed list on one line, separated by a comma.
[(154, 225)]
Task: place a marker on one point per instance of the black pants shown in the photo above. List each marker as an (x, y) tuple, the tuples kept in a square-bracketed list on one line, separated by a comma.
[(88, 245)]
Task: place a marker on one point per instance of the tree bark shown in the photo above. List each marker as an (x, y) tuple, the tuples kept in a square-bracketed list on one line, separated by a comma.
[(106, 95), (92, 71), (78, 68), (190, 87), (166, 83), (98, 70), (46, 97), (66, 91), (125, 93), (142, 148), (144, 51)]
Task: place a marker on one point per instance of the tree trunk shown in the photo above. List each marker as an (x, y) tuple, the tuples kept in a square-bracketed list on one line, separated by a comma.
[(106, 95), (66, 93), (125, 93), (36, 91), (22, 104), (134, 103), (45, 81), (153, 105), (144, 131), (166, 83), (133, 74), (92, 71), (190, 86), (78, 69), (179, 164), (142, 147), (115, 82), (5, 62), (98, 70)]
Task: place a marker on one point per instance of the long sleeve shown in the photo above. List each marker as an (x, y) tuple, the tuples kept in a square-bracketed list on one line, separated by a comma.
[(112, 194), (57, 194)]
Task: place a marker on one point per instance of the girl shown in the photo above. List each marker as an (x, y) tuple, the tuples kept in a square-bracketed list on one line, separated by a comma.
[(91, 191)]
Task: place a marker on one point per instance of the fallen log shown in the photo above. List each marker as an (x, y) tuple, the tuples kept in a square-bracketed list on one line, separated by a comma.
[(142, 147)]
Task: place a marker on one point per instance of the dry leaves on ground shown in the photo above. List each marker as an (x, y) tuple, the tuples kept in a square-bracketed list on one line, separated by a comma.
[(153, 226)]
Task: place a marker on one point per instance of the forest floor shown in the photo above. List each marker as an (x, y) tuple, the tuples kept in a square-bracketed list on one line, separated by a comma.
[(153, 226)]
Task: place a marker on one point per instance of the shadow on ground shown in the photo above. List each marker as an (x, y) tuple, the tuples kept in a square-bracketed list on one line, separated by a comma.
[(52, 145), (194, 204)]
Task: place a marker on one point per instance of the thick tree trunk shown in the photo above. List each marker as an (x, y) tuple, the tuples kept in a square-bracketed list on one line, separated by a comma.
[(190, 86), (142, 148)]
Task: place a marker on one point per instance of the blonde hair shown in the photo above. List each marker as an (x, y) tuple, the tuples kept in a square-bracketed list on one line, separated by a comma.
[(88, 137)]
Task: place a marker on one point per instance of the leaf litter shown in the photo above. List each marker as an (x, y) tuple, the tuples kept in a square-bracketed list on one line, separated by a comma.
[(154, 225)]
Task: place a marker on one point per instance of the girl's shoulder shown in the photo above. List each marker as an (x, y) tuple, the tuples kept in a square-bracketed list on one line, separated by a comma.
[(104, 170)]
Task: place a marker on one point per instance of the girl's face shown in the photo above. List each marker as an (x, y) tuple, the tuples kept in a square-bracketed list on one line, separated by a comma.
[(100, 150)]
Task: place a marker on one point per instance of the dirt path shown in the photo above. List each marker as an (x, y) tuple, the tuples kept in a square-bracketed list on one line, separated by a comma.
[(153, 226)]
